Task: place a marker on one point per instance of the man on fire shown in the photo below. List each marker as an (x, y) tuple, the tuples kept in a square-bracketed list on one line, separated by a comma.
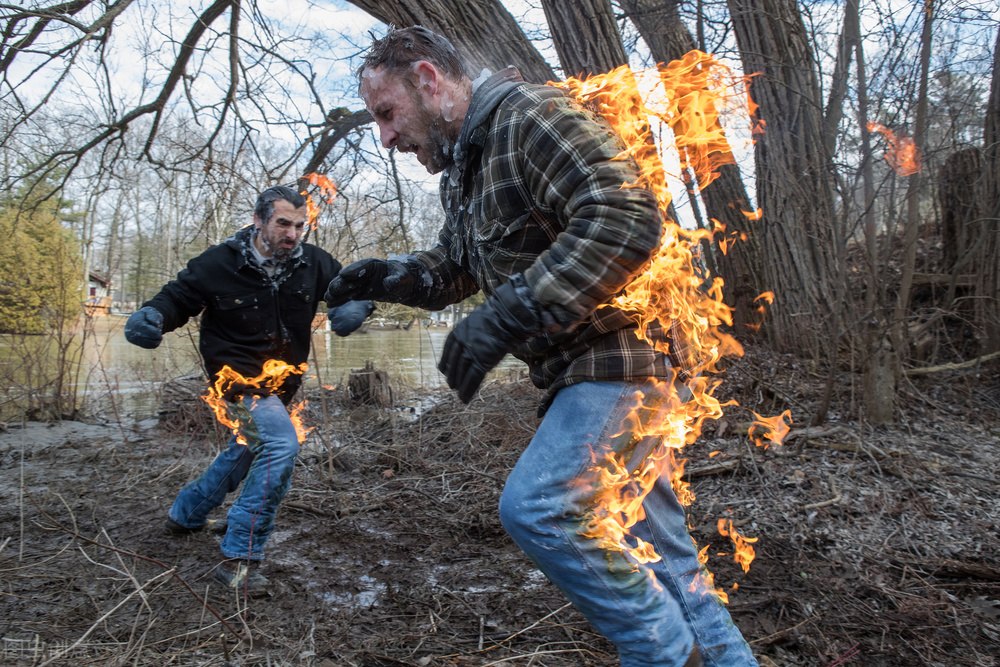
[(257, 293), (537, 218)]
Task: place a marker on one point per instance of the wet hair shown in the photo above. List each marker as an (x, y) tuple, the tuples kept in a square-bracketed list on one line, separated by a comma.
[(264, 207), (399, 49)]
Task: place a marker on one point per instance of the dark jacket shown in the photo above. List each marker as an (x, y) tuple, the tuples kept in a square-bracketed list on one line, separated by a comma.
[(248, 317)]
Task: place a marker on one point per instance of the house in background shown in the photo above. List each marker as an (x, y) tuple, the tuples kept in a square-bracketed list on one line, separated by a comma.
[(98, 296), (442, 318)]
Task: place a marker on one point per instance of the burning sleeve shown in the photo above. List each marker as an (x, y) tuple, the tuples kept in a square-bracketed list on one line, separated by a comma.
[(572, 167)]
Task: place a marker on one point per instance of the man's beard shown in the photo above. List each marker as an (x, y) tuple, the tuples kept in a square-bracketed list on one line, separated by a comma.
[(440, 154), (282, 254), (439, 146), (279, 252)]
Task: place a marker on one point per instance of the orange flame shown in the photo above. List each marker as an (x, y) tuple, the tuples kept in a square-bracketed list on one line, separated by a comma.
[(295, 414), (233, 384), (704, 580), (744, 553), (328, 191), (903, 155), (670, 291), (771, 429)]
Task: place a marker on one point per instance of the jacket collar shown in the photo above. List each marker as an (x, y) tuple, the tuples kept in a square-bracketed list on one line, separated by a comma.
[(485, 100), (242, 243)]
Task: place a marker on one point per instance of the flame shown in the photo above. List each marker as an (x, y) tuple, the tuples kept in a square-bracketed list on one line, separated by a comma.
[(771, 429), (327, 190), (903, 155), (232, 384), (704, 580), (671, 292), (295, 414), (744, 553), (764, 300)]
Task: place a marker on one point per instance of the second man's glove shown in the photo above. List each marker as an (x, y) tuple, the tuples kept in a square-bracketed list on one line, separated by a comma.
[(378, 279), (144, 328), (480, 341), (345, 319)]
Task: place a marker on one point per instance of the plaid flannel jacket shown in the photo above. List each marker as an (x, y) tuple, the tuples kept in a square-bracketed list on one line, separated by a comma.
[(536, 188)]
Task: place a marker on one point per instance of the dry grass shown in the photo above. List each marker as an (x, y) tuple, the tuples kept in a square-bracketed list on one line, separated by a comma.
[(877, 546)]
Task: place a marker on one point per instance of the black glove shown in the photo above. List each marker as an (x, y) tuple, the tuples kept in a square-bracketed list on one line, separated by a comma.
[(144, 328), (480, 341), (379, 279), (345, 319)]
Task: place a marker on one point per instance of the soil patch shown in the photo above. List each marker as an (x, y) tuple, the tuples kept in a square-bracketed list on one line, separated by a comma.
[(876, 546)]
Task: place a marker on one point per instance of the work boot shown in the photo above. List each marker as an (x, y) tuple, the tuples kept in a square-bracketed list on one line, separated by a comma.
[(215, 526), (241, 576)]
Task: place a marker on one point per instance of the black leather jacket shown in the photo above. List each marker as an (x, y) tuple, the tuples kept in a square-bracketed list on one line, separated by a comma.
[(248, 317)]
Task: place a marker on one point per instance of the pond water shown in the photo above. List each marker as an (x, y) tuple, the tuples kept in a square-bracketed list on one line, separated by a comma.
[(120, 377)]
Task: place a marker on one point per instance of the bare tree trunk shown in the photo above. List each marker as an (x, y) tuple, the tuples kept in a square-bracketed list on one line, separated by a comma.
[(797, 238), (669, 39), (850, 35), (880, 367), (988, 258), (959, 187), (586, 36), (913, 189), (483, 32)]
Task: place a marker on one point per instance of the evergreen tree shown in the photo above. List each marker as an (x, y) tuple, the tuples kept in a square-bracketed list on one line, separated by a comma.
[(40, 266)]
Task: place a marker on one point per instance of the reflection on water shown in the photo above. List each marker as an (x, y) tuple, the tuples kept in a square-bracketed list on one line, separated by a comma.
[(117, 376)]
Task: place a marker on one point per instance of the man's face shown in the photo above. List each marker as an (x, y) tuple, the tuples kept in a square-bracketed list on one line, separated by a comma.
[(280, 235), (406, 119)]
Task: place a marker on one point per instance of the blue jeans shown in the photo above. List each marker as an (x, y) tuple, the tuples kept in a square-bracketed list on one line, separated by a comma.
[(645, 609), (264, 465)]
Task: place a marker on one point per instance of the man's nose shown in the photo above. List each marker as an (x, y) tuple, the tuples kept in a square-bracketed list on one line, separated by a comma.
[(389, 136)]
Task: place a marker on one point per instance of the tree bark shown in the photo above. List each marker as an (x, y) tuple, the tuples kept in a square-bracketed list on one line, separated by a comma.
[(483, 32), (988, 258), (850, 35), (913, 187), (797, 240), (586, 36), (880, 367), (958, 181)]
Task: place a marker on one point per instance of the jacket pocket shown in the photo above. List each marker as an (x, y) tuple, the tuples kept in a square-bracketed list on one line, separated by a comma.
[(508, 245), (241, 310), (299, 305)]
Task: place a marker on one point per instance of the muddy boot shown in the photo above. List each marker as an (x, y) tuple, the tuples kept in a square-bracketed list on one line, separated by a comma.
[(215, 526), (242, 577)]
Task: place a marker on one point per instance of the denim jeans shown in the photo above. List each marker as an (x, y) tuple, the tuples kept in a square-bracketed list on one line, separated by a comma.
[(646, 610), (264, 465)]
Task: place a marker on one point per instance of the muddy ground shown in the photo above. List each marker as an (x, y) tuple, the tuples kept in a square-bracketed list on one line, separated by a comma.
[(877, 546)]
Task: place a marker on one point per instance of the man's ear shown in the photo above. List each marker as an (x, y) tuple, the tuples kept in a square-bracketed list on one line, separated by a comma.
[(427, 76), (257, 222)]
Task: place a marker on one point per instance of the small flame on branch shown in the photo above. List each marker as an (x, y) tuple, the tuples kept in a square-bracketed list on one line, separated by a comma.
[(671, 292), (327, 190), (903, 155), (232, 384)]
